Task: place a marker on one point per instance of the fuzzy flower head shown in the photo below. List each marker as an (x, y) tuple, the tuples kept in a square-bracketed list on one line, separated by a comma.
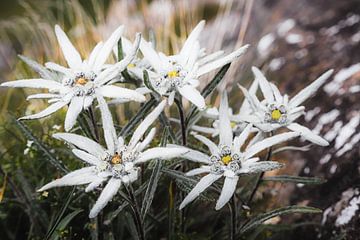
[(180, 72), (277, 110), (118, 163), (227, 160), (83, 80)]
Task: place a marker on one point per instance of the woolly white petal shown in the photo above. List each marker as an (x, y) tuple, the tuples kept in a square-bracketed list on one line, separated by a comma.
[(240, 140), (77, 177), (264, 85), (193, 155), (58, 68), (204, 183), (75, 108), (94, 184), (119, 92), (47, 111), (276, 93), (193, 95), (106, 195), (192, 39), (210, 57), (307, 134), (103, 55), (227, 191), (197, 171), (222, 61), (268, 142), (310, 90), (147, 140), (151, 55), (94, 53), (86, 157), (211, 145), (245, 106), (160, 153), (226, 134), (33, 83), (257, 167), (145, 124), (71, 55), (108, 125), (252, 99), (83, 143), (42, 95)]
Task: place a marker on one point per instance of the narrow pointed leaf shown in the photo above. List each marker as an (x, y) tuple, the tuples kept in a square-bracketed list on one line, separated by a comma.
[(294, 179)]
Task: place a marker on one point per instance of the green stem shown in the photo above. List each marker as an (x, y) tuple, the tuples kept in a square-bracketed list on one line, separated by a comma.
[(182, 120), (136, 211)]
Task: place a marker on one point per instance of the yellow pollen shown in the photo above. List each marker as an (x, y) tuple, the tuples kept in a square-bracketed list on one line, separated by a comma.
[(173, 74), (226, 159), (81, 81), (276, 114), (233, 124), (116, 159), (131, 65)]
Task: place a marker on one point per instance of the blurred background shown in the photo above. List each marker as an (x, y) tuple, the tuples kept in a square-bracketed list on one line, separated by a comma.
[(292, 41)]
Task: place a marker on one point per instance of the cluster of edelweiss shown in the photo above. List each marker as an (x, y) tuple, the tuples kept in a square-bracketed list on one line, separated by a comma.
[(77, 85)]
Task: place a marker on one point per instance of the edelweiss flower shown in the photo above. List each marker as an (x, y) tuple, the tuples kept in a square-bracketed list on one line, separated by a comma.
[(83, 80), (118, 163), (180, 72), (277, 111), (227, 160)]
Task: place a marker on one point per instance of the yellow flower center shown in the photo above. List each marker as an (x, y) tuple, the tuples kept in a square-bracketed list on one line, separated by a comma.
[(131, 65), (81, 81), (116, 159), (226, 159), (276, 114), (233, 124), (173, 74)]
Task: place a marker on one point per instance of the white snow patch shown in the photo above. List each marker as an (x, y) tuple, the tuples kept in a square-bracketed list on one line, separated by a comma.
[(325, 159), (276, 64), (332, 133), (285, 26), (312, 113), (348, 146), (294, 38), (347, 131), (326, 118), (264, 45), (332, 87), (349, 212)]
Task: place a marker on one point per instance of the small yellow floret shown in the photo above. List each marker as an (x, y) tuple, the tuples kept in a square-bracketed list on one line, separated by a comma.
[(116, 159), (226, 159), (233, 124), (81, 81), (173, 74), (276, 114), (131, 65)]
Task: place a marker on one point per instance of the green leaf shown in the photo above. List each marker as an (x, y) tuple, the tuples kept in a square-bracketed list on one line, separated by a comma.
[(154, 179), (295, 179), (137, 118), (259, 219), (63, 224), (121, 56), (207, 91), (53, 161), (58, 220), (148, 83)]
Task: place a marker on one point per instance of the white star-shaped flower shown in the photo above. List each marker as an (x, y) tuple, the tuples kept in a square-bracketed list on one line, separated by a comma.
[(277, 110), (180, 72), (227, 160), (83, 80), (118, 163)]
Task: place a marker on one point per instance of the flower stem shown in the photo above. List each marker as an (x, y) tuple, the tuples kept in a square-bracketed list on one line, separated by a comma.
[(233, 217), (136, 212), (182, 120), (93, 123)]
